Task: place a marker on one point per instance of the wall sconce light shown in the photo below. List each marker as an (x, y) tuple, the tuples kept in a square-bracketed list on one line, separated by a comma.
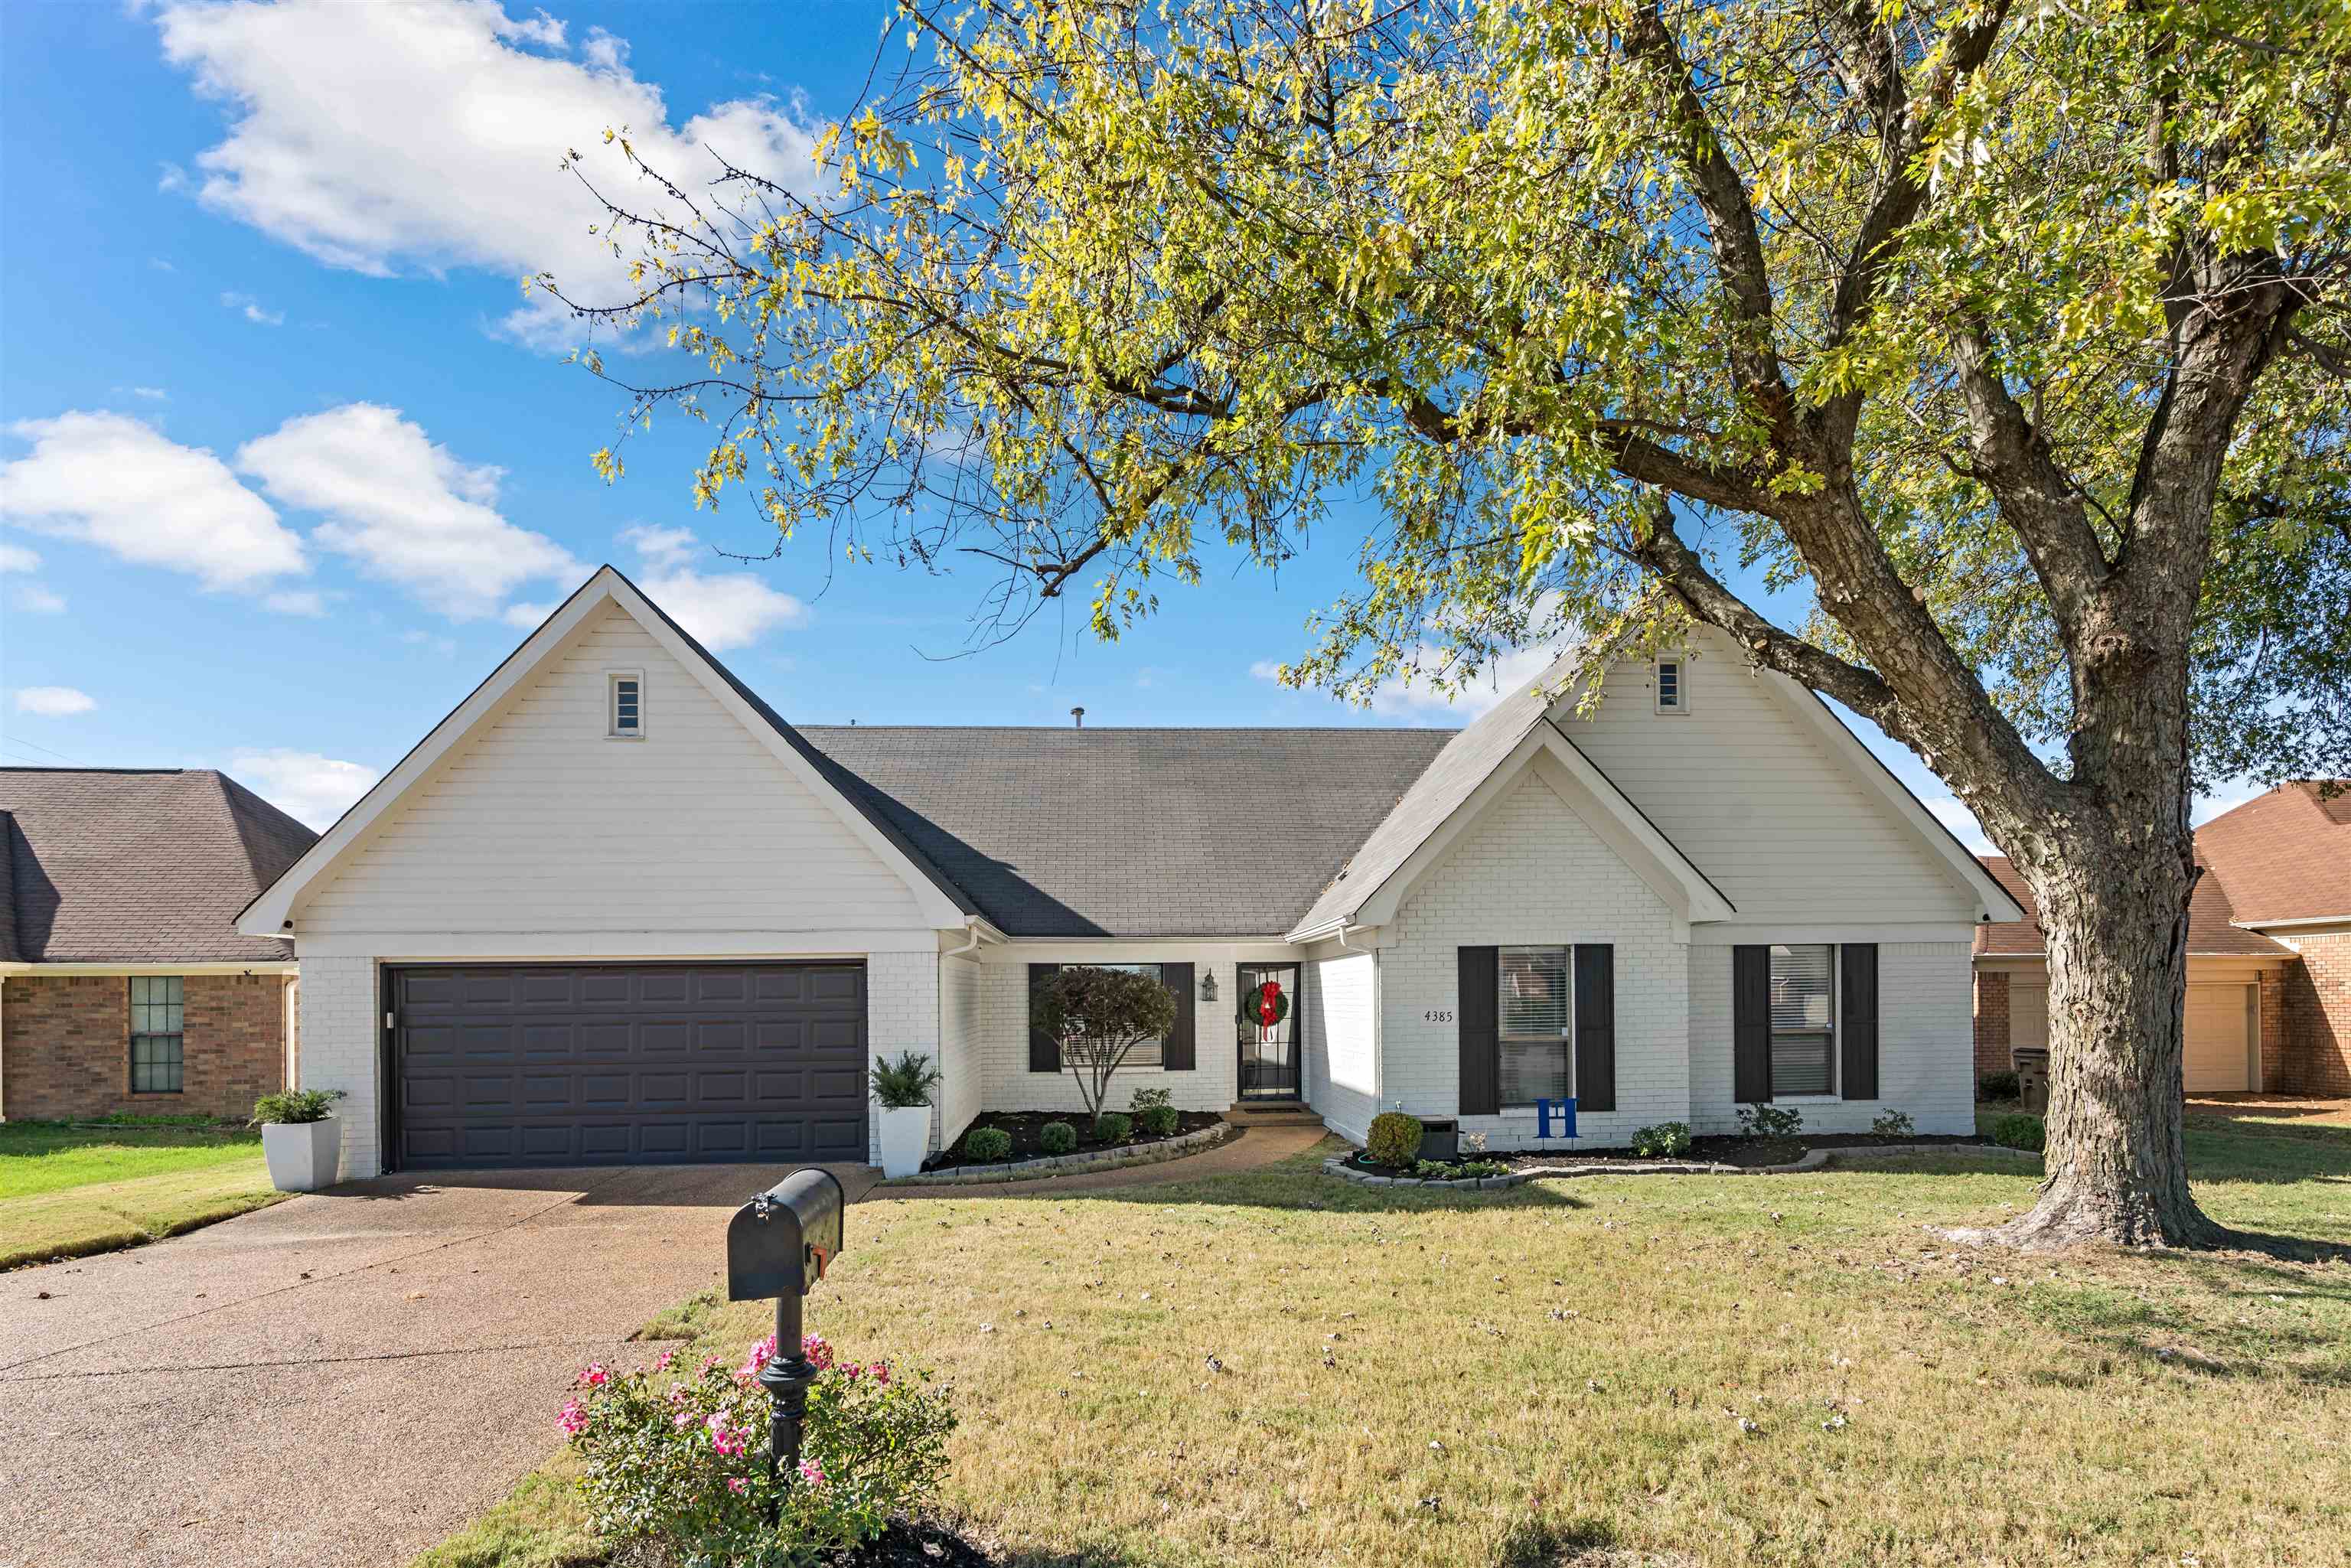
[(1207, 984)]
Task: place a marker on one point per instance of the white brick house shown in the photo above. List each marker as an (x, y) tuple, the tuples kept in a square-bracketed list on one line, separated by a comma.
[(616, 908)]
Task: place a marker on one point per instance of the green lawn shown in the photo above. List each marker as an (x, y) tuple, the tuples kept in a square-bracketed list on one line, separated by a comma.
[(66, 1190), (1616, 1371)]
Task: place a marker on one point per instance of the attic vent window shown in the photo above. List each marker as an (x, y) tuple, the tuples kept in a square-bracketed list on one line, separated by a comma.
[(1672, 696), (626, 707)]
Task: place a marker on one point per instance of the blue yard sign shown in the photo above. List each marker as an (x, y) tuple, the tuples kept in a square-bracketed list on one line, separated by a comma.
[(1566, 1111)]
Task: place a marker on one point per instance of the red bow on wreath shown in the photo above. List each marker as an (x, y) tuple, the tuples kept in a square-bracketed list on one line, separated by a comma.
[(1272, 1006)]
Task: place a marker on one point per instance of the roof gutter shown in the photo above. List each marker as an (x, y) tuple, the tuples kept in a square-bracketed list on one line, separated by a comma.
[(219, 967), (2258, 926)]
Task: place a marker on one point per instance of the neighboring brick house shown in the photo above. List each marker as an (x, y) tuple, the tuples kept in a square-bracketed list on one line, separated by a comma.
[(2269, 953), (124, 983), (2285, 859)]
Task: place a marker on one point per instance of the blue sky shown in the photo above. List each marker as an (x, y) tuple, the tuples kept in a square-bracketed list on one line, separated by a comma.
[(290, 462)]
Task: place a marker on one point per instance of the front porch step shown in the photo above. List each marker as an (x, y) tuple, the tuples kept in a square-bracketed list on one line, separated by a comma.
[(1274, 1113)]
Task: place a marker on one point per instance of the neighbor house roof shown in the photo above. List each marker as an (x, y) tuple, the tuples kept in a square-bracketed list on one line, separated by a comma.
[(2284, 855), (138, 865), (2211, 931), (1130, 833)]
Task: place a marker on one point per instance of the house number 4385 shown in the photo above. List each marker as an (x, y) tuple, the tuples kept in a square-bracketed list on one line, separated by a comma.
[(1439, 1015)]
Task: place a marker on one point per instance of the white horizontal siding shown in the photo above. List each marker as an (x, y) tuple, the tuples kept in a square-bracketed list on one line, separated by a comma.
[(539, 822), (1341, 1042), (1757, 803)]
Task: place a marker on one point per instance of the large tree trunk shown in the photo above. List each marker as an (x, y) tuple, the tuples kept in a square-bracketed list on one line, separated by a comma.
[(2115, 917)]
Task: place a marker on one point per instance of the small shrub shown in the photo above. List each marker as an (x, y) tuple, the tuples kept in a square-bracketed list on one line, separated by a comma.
[(1464, 1170), (297, 1106), (1057, 1137), (680, 1466), (1470, 1143), (1999, 1086), (1893, 1124), (906, 1082), (2017, 1131), (1113, 1127), (1160, 1121), (1145, 1099), (1663, 1141), (987, 1144), (1395, 1139), (1770, 1121)]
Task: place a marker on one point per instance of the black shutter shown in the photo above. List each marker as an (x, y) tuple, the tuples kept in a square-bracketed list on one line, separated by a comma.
[(1177, 1054), (1596, 1026), (1478, 1013), (1857, 1019), (1751, 1024), (1044, 1050)]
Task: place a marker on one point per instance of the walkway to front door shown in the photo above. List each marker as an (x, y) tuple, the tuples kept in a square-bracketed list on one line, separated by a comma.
[(1267, 1030)]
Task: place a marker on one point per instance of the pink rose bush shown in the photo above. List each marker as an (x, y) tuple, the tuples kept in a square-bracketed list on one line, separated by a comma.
[(677, 1457)]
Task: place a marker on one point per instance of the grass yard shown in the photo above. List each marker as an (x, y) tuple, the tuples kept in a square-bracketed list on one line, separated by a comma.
[(69, 1190), (1610, 1371)]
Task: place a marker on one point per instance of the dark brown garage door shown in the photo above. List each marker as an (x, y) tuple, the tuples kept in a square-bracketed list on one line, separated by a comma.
[(542, 1065)]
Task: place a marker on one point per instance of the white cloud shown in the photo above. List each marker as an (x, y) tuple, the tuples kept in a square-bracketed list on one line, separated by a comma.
[(16, 558), (253, 311), (406, 510), (35, 599), (324, 150), (298, 601), (303, 784), (1416, 701), (54, 702), (526, 616), (113, 481), (719, 610), (153, 395)]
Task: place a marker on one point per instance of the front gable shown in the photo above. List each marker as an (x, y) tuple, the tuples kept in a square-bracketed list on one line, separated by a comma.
[(520, 814), (1776, 800)]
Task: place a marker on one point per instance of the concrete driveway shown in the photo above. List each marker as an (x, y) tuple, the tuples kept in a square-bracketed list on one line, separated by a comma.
[(343, 1379)]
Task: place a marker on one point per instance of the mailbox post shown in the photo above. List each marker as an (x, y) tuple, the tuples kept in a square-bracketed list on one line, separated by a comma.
[(778, 1246)]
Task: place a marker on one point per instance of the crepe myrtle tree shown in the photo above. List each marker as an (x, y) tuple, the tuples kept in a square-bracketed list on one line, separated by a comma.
[(2012, 339), (1100, 1015)]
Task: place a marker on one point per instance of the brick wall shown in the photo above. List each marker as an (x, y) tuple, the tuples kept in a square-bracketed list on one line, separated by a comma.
[(1991, 1022), (67, 1042), (2270, 1014), (2316, 1002)]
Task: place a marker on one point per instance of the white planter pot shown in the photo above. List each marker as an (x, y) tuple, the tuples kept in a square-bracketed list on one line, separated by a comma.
[(906, 1139), (303, 1156)]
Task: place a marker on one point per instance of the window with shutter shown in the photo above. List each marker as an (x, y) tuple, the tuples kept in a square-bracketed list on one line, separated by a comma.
[(1535, 1011), (1803, 1018)]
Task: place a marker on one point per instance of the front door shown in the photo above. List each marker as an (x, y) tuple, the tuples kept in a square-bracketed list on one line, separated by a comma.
[(1268, 1027)]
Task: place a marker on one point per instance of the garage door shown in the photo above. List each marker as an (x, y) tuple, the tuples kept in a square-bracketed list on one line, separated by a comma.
[(2028, 1013), (615, 1064), (2217, 1058)]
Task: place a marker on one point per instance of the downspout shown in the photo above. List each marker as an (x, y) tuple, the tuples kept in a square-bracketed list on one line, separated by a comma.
[(4, 1047), (971, 934)]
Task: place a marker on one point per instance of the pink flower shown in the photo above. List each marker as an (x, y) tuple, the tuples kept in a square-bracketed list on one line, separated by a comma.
[(818, 1351), (850, 1370), (739, 1485), (595, 1377), (880, 1371), (812, 1472), (573, 1420), (667, 1357), (682, 1420), (728, 1440)]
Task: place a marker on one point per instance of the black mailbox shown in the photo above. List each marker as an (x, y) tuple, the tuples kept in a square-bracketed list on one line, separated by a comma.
[(780, 1243)]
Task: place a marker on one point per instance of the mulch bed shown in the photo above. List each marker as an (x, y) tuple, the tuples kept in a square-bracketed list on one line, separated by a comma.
[(923, 1543), (1025, 1126), (1718, 1150), (1732, 1150)]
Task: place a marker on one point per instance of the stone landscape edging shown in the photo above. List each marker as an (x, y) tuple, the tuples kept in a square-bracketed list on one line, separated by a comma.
[(1812, 1159), (1074, 1163)]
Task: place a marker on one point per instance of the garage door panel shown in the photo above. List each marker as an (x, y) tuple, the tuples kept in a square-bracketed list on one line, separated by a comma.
[(553, 1064), (2214, 1025)]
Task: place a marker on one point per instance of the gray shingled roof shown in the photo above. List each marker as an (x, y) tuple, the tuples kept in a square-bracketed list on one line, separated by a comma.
[(142, 866), (1131, 832), (1467, 761)]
